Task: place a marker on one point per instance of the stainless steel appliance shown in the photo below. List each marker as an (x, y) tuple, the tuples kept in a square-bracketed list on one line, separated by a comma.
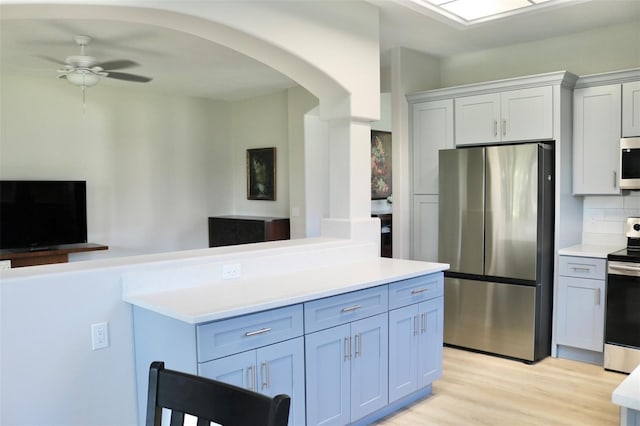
[(622, 323), (496, 214), (630, 163)]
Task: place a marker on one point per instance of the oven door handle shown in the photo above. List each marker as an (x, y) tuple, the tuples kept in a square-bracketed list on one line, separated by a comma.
[(622, 269)]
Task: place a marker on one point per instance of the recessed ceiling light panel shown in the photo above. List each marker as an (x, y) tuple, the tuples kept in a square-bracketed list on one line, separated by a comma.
[(469, 12)]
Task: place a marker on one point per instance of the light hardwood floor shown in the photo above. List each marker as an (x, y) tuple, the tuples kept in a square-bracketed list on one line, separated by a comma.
[(478, 389)]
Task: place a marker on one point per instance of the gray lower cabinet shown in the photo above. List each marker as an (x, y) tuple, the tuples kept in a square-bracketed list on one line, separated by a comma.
[(271, 370), (581, 299), (335, 356), (347, 371), (415, 334)]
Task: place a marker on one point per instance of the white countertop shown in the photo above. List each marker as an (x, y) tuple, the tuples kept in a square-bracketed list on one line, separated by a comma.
[(627, 394), (230, 298), (589, 250)]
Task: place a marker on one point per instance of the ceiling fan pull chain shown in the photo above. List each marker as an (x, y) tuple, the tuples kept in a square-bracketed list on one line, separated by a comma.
[(84, 103)]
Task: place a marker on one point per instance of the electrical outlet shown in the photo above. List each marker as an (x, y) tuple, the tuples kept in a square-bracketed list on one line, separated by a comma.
[(5, 264), (230, 271), (99, 335)]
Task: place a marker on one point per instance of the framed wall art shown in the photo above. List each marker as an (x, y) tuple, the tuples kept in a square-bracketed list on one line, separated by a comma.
[(380, 164), (261, 174)]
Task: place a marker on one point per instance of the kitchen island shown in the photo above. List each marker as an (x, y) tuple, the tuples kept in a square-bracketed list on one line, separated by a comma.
[(627, 396), (350, 342)]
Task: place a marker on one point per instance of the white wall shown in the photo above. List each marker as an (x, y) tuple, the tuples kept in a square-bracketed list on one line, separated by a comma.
[(599, 50), (261, 123)]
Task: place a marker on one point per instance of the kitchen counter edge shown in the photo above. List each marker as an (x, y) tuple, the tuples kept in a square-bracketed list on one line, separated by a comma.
[(230, 298), (589, 250)]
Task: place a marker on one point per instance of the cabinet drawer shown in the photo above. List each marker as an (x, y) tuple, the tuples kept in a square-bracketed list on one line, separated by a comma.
[(222, 338), (336, 310), (413, 290), (583, 267)]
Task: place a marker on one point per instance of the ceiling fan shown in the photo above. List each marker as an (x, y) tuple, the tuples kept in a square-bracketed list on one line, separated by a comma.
[(85, 71)]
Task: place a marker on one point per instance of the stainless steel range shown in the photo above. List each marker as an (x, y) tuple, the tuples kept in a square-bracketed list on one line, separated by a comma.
[(622, 326)]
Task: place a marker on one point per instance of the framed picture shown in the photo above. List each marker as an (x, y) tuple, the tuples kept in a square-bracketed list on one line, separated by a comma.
[(261, 174), (380, 164)]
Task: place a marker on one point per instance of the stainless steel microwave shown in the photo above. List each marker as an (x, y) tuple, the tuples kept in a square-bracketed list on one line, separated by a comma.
[(630, 163)]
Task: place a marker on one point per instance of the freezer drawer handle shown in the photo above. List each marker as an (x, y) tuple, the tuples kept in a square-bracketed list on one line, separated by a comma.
[(256, 332), (351, 308), (634, 270)]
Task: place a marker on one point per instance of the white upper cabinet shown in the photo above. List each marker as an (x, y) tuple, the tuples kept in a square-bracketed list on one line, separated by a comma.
[(631, 109), (596, 139), (515, 115), (477, 119), (432, 130)]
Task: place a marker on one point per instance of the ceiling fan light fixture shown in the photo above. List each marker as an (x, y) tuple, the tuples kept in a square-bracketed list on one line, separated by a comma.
[(83, 78)]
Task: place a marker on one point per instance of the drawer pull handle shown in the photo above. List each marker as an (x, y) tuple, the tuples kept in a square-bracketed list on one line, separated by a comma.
[(581, 269), (419, 290), (351, 308), (256, 332)]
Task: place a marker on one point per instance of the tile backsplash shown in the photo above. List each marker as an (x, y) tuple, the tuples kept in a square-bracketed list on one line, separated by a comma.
[(603, 218)]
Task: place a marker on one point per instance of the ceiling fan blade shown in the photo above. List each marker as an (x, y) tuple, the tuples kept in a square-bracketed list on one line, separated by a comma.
[(50, 59), (117, 64), (128, 77)]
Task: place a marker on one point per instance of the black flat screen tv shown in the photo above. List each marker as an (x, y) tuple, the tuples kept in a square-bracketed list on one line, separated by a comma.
[(36, 215)]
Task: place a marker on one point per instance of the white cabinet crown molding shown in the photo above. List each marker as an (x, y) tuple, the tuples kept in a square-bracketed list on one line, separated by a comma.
[(562, 78), (606, 78)]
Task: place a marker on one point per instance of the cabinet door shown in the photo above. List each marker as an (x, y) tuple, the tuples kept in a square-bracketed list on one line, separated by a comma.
[(280, 370), (369, 365), (238, 370), (527, 114), (424, 235), (581, 313), (596, 140), (477, 119), (431, 130), (631, 109), (430, 341), (328, 372), (403, 351)]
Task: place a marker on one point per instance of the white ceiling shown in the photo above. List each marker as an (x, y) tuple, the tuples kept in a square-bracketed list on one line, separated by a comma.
[(182, 63)]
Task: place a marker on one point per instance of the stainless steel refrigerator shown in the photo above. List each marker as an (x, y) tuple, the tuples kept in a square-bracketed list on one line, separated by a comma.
[(496, 214)]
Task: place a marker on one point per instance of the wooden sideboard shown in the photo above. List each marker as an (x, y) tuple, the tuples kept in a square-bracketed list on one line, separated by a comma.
[(57, 254), (232, 230)]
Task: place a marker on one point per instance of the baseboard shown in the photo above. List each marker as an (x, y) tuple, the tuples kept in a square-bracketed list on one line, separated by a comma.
[(582, 355)]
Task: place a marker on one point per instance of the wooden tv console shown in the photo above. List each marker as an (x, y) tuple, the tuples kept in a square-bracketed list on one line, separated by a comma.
[(57, 254)]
